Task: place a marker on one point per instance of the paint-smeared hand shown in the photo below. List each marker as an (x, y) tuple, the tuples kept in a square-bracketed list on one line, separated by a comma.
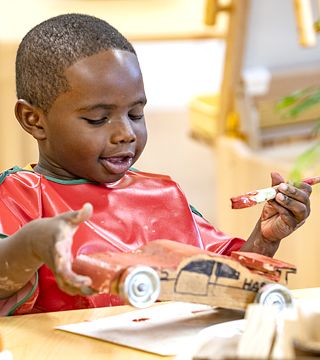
[(54, 248), (280, 217), (288, 211)]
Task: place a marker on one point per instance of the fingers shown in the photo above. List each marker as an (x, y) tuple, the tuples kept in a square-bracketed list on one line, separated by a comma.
[(288, 210), (276, 178), (286, 221), (68, 280), (77, 217), (74, 284), (295, 199), (53, 246), (83, 214)]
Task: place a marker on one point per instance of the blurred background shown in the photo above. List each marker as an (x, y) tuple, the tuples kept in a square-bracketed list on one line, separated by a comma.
[(213, 71)]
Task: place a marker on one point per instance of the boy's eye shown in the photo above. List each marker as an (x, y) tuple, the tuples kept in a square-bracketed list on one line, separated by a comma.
[(136, 117), (97, 121)]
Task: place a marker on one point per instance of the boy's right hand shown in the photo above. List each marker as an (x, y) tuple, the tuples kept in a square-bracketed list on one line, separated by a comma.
[(52, 246)]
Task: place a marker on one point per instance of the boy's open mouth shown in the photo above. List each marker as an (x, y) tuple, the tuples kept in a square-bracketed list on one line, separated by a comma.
[(117, 164)]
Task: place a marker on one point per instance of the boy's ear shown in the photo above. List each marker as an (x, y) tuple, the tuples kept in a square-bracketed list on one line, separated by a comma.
[(31, 119)]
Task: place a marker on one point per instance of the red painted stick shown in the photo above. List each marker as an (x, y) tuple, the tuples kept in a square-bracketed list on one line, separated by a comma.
[(258, 196)]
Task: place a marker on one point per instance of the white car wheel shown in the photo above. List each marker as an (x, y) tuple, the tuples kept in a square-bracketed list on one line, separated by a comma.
[(139, 286), (274, 294)]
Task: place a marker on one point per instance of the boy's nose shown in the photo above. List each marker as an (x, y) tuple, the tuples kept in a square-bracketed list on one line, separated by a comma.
[(122, 131)]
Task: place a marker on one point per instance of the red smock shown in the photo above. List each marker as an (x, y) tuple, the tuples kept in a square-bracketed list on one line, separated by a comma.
[(139, 208)]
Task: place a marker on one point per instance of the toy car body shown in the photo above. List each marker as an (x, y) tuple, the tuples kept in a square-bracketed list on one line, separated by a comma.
[(167, 270)]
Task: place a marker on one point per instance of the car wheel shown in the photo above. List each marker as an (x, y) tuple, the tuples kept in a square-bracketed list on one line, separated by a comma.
[(139, 286), (274, 294)]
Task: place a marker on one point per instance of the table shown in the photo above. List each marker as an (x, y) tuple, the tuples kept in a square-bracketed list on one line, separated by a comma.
[(34, 337)]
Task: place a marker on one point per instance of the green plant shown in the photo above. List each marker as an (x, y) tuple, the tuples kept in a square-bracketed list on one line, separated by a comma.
[(292, 106)]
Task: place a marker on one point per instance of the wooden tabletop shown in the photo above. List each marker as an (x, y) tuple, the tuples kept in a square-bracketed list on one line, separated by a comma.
[(34, 337)]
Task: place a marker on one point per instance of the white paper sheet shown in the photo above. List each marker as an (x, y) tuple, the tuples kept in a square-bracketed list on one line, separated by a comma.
[(219, 341), (164, 329)]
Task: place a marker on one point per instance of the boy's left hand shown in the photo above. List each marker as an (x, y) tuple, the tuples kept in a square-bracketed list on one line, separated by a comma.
[(288, 211), (280, 217)]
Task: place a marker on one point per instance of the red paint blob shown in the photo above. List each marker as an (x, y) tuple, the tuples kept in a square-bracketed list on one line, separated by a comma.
[(243, 201), (141, 319)]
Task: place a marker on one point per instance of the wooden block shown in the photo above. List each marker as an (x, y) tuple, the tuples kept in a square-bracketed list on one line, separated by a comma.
[(257, 339)]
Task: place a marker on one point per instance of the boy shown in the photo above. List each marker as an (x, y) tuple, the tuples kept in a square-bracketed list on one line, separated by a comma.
[(81, 96)]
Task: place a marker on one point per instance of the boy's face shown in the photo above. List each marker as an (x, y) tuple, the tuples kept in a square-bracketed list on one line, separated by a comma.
[(96, 130)]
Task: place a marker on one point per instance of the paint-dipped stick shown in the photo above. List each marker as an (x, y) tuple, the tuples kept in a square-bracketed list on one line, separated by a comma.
[(258, 196)]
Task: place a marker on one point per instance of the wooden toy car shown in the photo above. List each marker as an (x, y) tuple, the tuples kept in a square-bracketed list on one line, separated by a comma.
[(167, 270)]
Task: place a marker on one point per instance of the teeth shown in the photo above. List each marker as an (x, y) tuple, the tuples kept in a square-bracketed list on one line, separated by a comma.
[(118, 159), (117, 164)]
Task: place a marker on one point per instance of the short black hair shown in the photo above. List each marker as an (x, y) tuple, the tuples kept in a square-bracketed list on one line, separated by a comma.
[(51, 47)]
